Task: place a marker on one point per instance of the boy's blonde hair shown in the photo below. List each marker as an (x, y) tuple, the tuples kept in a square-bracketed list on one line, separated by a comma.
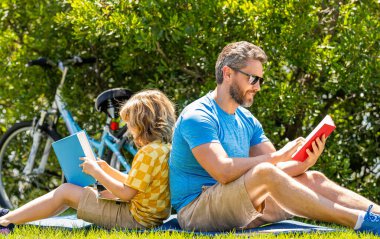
[(151, 114)]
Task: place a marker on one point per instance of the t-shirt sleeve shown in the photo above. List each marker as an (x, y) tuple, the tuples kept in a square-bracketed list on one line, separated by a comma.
[(140, 175), (198, 128), (258, 135)]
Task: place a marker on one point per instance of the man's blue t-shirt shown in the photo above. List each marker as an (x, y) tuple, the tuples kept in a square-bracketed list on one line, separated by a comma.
[(203, 121)]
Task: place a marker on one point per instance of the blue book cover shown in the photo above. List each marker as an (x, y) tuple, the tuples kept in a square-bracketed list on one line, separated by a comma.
[(68, 151)]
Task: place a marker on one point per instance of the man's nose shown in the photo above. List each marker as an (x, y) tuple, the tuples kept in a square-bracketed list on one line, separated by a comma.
[(257, 86)]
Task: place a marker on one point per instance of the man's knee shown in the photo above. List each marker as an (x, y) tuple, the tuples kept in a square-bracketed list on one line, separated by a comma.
[(261, 180), (264, 169), (264, 172), (314, 177)]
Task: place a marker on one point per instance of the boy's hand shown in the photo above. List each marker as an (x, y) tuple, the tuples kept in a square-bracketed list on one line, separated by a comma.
[(101, 162), (89, 166)]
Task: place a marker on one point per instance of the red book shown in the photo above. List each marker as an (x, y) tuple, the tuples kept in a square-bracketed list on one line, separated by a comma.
[(325, 127)]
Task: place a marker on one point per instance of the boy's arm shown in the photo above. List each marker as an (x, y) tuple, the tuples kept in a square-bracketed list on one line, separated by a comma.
[(119, 176), (115, 186)]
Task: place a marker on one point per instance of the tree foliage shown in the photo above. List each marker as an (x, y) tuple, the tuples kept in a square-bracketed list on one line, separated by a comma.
[(323, 59)]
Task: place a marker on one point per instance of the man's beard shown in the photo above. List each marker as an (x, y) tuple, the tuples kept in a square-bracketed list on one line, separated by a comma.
[(238, 95)]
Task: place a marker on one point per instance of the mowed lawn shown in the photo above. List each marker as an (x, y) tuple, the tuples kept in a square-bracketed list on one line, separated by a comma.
[(27, 231)]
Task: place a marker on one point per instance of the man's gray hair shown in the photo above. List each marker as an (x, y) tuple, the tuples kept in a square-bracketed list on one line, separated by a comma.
[(236, 55)]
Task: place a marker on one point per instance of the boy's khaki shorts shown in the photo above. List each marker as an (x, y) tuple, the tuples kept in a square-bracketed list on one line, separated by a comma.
[(225, 207), (106, 213)]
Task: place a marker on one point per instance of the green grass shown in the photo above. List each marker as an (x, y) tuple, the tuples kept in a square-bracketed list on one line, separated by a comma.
[(27, 231)]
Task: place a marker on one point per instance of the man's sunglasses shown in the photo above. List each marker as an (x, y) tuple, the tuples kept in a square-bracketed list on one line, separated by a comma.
[(252, 79)]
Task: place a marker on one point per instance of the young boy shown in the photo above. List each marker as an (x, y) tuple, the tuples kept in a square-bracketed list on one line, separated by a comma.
[(150, 117)]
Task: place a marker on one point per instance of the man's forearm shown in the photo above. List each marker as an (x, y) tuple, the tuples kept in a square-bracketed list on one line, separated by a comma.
[(291, 167), (236, 167)]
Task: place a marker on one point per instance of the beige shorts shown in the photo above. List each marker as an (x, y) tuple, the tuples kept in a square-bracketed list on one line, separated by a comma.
[(225, 207), (106, 213)]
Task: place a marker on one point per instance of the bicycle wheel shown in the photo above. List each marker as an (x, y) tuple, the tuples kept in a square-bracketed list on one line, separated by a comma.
[(17, 187)]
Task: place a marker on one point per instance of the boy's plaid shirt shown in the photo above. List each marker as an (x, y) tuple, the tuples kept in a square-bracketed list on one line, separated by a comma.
[(149, 175)]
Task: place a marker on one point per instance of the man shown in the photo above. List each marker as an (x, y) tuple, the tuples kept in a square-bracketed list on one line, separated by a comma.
[(225, 173)]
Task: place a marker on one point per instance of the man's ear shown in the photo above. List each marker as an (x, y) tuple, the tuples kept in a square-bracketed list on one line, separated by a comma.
[(226, 73)]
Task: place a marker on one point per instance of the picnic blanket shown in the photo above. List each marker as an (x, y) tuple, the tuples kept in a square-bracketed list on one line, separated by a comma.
[(67, 221), (171, 224)]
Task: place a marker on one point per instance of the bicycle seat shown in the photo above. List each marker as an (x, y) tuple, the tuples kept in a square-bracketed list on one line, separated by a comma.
[(112, 98)]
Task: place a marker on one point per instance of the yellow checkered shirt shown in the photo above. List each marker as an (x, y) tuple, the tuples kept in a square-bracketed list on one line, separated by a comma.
[(149, 175)]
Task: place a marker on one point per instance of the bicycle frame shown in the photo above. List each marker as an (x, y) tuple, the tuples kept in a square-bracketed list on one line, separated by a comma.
[(107, 139)]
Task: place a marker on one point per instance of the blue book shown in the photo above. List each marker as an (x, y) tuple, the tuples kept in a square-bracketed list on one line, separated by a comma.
[(68, 151)]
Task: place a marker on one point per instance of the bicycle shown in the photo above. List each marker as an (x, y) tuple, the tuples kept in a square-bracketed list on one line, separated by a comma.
[(28, 169)]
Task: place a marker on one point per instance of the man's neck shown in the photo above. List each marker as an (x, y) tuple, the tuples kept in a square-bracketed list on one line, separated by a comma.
[(224, 100)]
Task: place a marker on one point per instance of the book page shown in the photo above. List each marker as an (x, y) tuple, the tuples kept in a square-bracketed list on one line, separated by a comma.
[(327, 120), (86, 145)]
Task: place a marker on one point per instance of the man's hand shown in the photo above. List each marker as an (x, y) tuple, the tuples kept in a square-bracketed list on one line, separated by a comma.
[(318, 146), (295, 168), (90, 166), (286, 152)]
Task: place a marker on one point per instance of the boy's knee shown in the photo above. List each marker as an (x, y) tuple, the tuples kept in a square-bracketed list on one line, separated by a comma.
[(63, 191), (64, 187)]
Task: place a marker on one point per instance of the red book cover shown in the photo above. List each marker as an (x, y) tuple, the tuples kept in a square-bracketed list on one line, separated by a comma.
[(325, 127)]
